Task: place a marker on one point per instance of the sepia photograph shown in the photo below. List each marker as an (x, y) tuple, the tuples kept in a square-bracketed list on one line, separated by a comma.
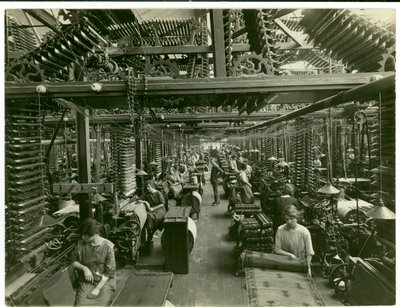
[(232, 155)]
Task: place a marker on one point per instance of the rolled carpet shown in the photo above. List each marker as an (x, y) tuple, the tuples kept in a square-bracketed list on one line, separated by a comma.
[(271, 261)]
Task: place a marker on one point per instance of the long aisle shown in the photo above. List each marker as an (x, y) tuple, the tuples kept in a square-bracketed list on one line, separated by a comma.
[(211, 280)]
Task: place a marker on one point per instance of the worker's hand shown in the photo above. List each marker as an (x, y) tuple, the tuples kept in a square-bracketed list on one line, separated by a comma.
[(95, 292), (309, 272), (88, 274), (150, 209), (291, 256)]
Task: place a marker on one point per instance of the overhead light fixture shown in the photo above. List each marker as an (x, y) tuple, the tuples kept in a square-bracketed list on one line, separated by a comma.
[(282, 163), (153, 163), (381, 212), (140, 172), (97, 198), (328, 189), (272, 159)]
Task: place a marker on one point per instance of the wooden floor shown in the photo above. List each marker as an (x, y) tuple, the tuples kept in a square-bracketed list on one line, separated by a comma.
[(212, 279)]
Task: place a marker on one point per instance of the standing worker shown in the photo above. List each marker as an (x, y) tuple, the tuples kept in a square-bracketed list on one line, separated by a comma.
[(93, 267), (294, 240), (216, 171), (281, 203)]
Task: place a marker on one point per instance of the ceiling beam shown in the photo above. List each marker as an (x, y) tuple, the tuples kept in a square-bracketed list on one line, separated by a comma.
[(185, 49), (157, 50), (218, 41), (191, 87), (196, 118), (239, 32), (44, 17)]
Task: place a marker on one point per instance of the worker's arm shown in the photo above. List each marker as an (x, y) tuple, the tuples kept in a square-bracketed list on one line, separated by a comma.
[(280, 251), (156, 207), (96, 290), (309, 251), (309, 258), (79, 266), (160, 200), (88, 274), (278, 246), (109, 271)]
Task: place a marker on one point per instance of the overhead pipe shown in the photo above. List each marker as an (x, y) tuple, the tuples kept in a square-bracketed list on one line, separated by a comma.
[(362, 91)]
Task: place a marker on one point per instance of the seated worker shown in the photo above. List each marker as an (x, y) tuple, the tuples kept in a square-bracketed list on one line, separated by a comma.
[(216, 171), (155, 206), (232, 164), (246, 194), (93, 267), (281, 203), (294, 240), (183, 171), (174, 180), (249, 169)]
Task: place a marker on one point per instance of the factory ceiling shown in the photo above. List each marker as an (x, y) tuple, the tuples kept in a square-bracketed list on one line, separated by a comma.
[(163, 53)]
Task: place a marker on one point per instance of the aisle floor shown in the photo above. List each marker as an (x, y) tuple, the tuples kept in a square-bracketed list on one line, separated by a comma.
[(211, 280)]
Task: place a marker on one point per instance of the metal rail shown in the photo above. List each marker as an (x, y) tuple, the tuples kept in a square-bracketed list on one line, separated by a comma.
[(167, 87), (368, 90)]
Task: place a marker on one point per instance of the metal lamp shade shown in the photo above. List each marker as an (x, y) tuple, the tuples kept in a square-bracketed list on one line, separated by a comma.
[(381, 212), (328, 189), (97, 198), (282, 163), (272, 159), (141, 173)]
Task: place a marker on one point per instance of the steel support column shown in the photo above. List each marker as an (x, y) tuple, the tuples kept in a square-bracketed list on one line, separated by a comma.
[(83, 154)]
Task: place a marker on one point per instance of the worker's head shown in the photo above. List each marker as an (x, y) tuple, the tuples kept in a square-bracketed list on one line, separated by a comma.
[(290, 215), (242, 166), (88, 229), (288, 189), (150, 186)]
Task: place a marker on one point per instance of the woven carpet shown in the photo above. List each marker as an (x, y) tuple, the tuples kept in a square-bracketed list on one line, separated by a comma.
[(278, 288)]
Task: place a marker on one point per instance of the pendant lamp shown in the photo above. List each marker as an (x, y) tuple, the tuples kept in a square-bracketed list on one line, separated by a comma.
[(140, 172), (282, 163), (328, 189), (381, 212)]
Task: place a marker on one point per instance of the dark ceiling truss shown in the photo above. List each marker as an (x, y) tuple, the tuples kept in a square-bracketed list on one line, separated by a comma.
[(345, 36), (45, 18), (52, 60), (19, 38)]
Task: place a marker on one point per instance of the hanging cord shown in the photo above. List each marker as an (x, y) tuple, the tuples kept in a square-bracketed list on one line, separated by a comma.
[(380, 146), (41, 148), (356, 171)]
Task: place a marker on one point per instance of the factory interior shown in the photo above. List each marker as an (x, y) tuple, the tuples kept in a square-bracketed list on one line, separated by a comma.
[(199, 157)]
